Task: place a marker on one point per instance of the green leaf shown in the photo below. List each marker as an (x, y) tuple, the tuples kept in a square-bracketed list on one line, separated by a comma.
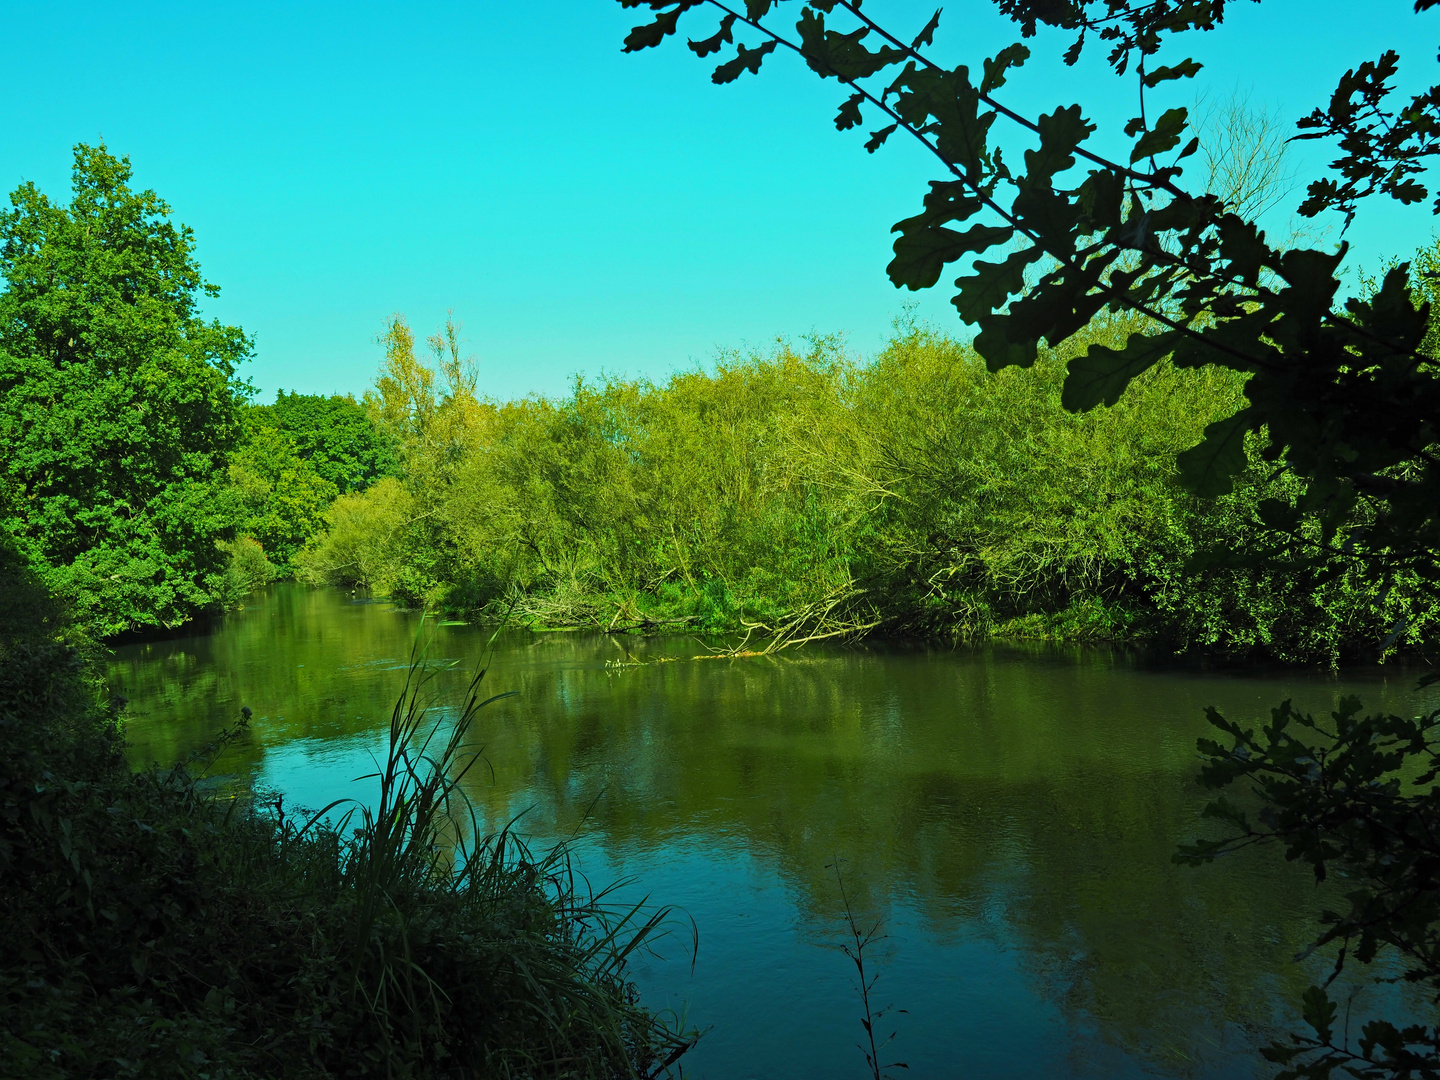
[(1062, 301), (746, 60), (1391, 313), (1102, 374), (1060, 133), (1186, 69), (1319, 1012), (1102, 197), (1219, 344), (996, 67), (999, 349), (922, 254), (652, 34), (1164, 136), (831, 53), (962, 131), (1225, 810), (947, 200), (1243, 246), (1281, 1055), (992, 284), (877, 138), (712, 44), (849, 115), (927, 35), (1048, 214), (1208, 469), (1311, 277)]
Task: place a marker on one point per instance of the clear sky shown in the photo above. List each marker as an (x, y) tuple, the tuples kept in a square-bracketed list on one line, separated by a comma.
[(580, 210)]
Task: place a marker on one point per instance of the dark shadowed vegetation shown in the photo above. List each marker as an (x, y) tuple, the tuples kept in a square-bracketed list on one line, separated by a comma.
[(155, 925)]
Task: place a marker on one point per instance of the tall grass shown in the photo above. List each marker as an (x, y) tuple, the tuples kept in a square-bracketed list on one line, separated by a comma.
[(422, 847)]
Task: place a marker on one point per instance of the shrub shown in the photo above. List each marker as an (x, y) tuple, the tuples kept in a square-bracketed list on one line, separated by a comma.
[(249, 568), (364, 540)]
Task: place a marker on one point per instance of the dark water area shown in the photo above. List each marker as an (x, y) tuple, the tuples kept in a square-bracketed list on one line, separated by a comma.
[(1007, 813)]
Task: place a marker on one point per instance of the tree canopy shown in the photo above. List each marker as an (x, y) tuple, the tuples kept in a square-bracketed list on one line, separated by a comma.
[(335, 435), (119, 403), (295, 458)]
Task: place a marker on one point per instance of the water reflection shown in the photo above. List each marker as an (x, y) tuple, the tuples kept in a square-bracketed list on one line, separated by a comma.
[(1011, 814)]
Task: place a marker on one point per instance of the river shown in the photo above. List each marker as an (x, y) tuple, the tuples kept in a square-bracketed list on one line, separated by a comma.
[(1006, 814)]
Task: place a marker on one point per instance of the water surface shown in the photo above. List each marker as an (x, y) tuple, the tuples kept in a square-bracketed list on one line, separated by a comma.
[(1008, 815)]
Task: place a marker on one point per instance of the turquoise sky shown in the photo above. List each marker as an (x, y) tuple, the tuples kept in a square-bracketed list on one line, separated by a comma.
[(580, 210)]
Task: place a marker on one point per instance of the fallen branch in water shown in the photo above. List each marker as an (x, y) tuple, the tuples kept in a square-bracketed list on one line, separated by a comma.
[(818, 621)]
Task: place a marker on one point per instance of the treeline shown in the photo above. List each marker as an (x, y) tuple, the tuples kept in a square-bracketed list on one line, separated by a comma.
[(780, 497), (801, 494)]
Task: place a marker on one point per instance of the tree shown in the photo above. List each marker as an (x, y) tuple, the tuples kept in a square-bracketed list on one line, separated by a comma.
[(295, 458), (118, 402), (284, 495), (1341, 396), (334, 435), (1245, 154)]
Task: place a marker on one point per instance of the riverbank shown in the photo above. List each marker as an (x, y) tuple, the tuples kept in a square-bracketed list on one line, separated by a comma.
[(801, 494), (154, 927)]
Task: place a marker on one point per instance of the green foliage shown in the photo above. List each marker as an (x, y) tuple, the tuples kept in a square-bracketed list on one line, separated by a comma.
[(1000, 506), (118, 403), (334, 435), (592, 509), (295, 458), (1334, 609), (249, 568), (151, 926), (365, 539), (791, 495), (284, 497)]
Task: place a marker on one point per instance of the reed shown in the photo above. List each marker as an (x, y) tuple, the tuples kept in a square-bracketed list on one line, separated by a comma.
[(860, 940), (422, 844)]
